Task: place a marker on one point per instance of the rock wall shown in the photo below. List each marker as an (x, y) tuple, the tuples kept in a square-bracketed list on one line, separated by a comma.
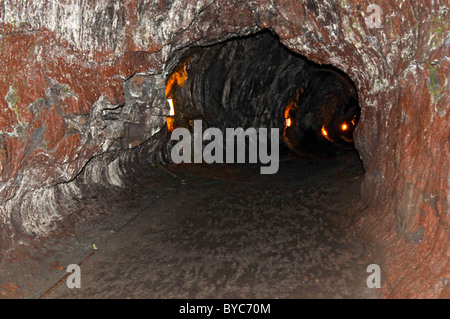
[(83, 81)]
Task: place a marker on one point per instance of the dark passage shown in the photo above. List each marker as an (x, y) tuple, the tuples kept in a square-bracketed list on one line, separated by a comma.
[(256, 82)]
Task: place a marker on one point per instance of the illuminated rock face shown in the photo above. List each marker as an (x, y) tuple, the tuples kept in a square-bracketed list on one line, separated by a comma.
[(84, 81)]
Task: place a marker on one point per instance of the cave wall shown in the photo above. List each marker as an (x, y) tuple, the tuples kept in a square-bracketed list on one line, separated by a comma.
[(82, 84)]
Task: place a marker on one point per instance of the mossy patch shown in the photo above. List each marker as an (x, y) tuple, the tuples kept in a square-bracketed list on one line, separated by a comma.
[(440, 27), (12, 97), (66, 91), (434, 84)]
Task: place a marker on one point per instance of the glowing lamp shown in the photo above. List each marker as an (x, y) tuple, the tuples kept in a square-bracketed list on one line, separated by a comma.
[(172, 108)]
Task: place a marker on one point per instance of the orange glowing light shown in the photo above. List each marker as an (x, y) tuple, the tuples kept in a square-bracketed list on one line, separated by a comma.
[(179, 77), (172, 108), (325, 134), (170, 123), (344, 127), (290, 111), (286, 112)]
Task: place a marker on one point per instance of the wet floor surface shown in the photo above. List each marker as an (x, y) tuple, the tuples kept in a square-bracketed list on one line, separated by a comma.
[(209, 232)]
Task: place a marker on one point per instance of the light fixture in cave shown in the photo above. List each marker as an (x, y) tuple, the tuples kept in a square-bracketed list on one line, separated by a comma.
[(172, 108), (178, 77), (325, 133), (289, 116), (170, 120), (344, 127), (288, 122)]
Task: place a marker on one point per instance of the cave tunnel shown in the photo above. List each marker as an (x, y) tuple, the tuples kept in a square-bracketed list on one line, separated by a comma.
[(115, 157), (257, 82)]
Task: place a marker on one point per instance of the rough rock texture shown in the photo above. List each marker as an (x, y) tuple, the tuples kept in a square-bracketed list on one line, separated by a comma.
[(84, 78)]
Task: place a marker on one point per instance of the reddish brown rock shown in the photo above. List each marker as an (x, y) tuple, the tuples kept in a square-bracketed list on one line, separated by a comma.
[(63, 64)]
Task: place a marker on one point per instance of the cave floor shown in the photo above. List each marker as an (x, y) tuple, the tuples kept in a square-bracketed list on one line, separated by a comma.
[(208, 231)]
